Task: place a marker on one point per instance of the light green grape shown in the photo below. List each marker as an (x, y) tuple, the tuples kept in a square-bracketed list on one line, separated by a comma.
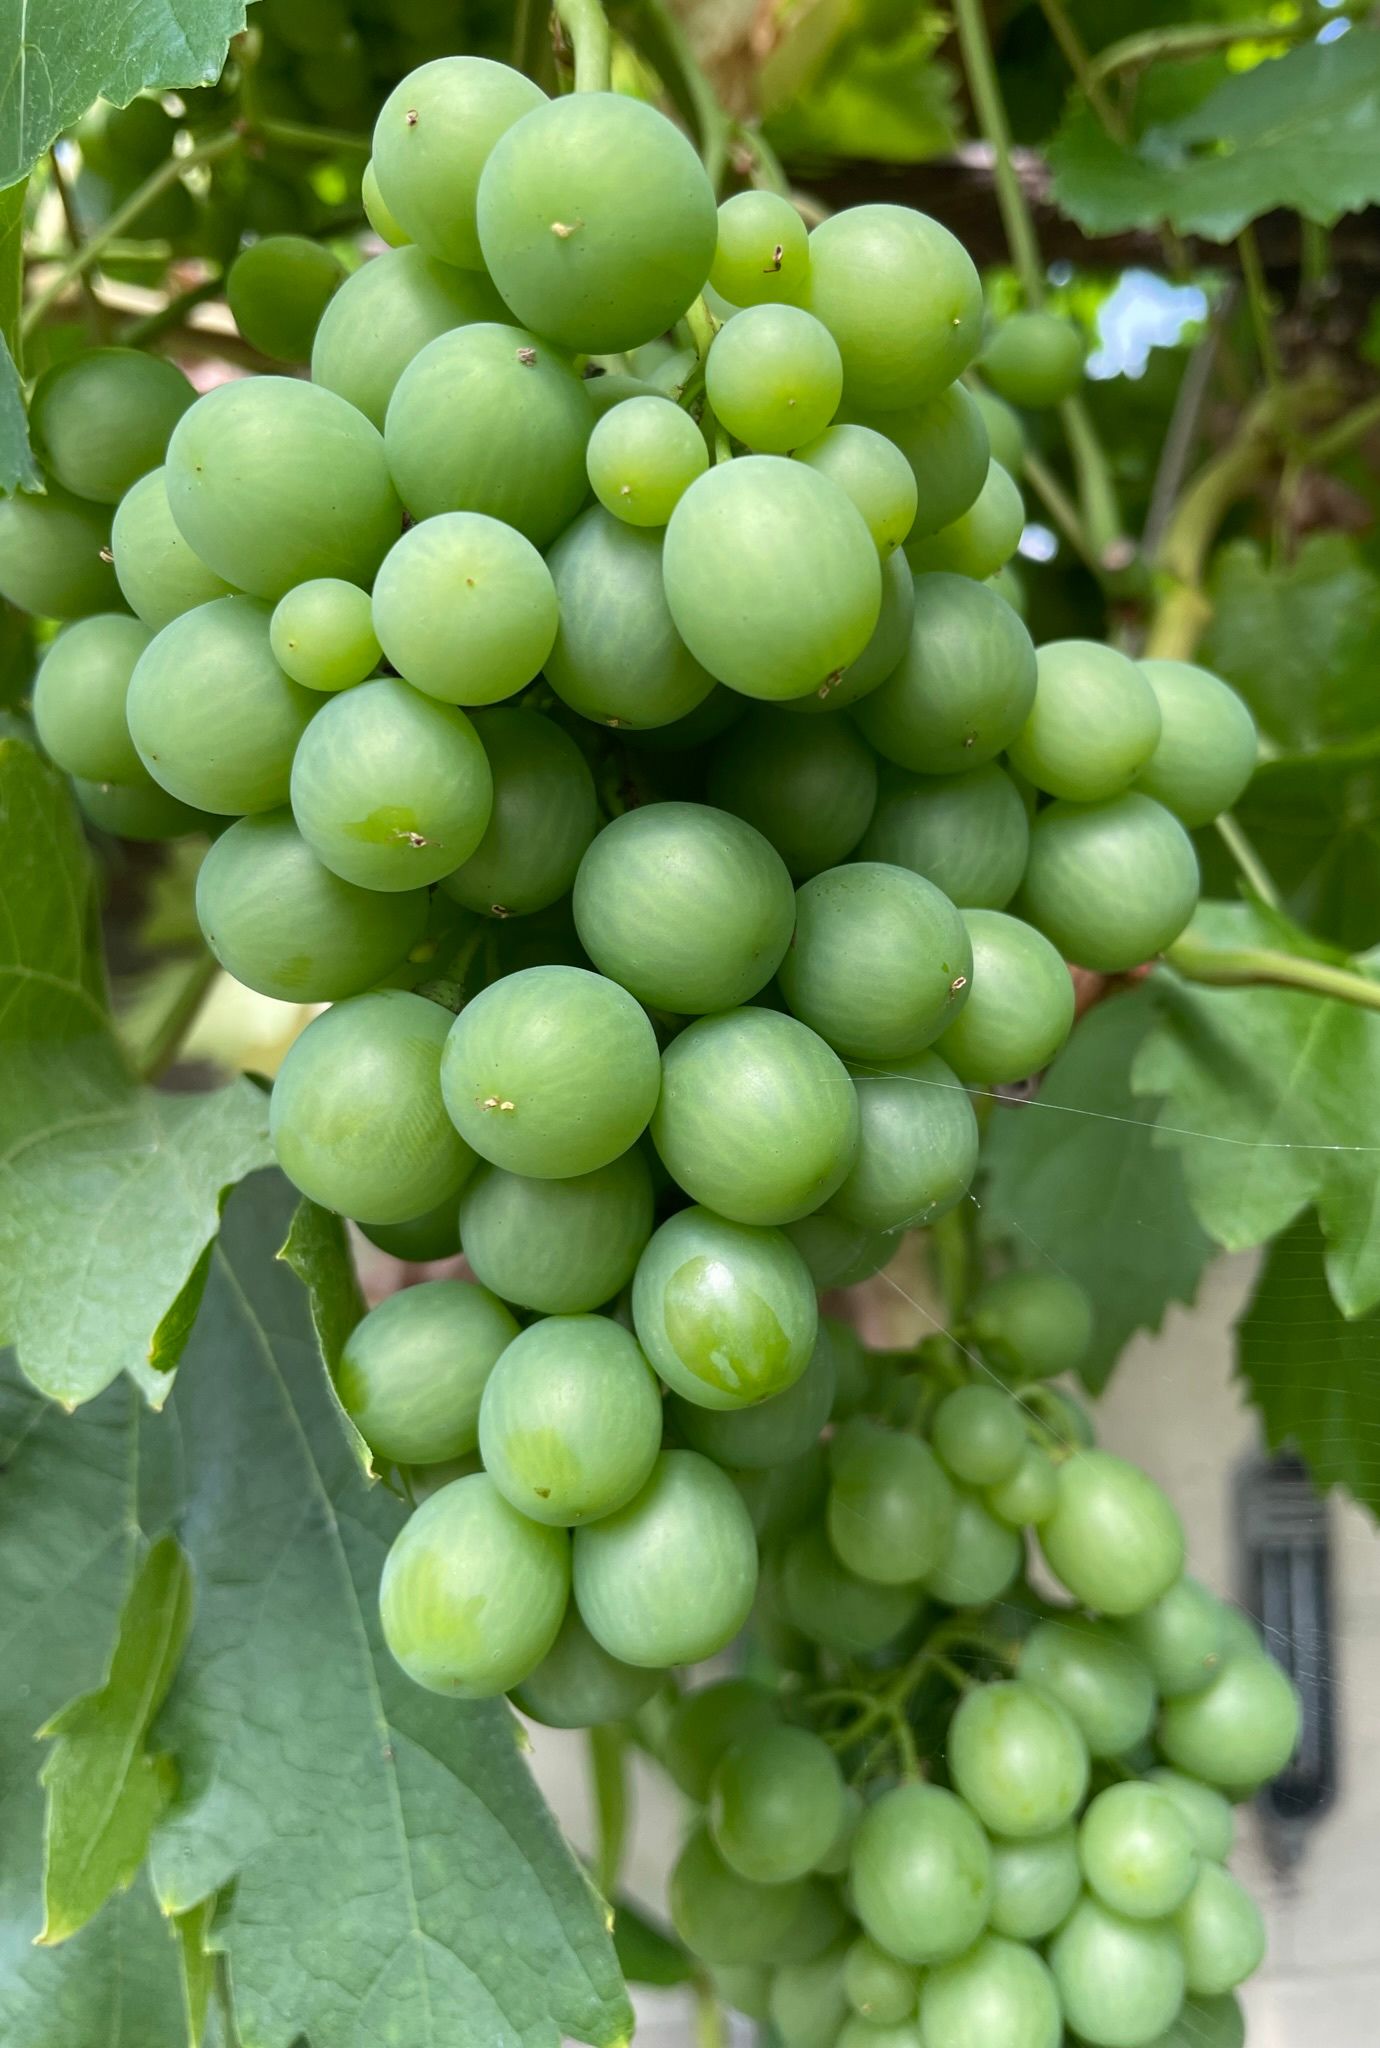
[(79, 698), (964, 684), (1035, 1883), (1114, 1539), (1017, 1758), (384, 314), (1137, 1851), (1019, 1009), (981, 540), (1000, 1995), (1030, 1494), (322, 634), (1222, 1933), (944, 441), (411, 1372), (1033, 1324), (55, 555), (100, 419), (578, 1685), (465, 609), (968, 834), (432, 139), (891, 1509), (763, 251), (618, 659), (1034, 360), (982, 1558), (808, 788), (833, 1606), (1093, 726), (1207, 748), (1121, 1982), (901, 298), (643, 456), (277, 289), (1181, 1637), (874, 473), (544, 815), (561, 1247), (918, 1147), (878, 1986), (771, 1432), (774, 378), (1209, 1815), (706, 1723), (1241, 1730), (724, 1918), (159, 576), (776, 1804), (726, 1313), (921, 1874), (1096, 1675)]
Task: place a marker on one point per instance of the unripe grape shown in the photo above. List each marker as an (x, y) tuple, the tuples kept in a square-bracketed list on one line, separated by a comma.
[(762, 253), (774, 377), (1138, 1852), (1241, 1730), (921, 1874), (1034, 360), (411, 1372), (1017, 1758), (322, 634), (776, 1804), (643, 456), (979, 1435), (1222, 1932), (1114, 1539)]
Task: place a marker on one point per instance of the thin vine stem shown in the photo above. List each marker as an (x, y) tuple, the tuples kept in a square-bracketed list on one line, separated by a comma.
[(1017, 223), (665, 45), (1199, 39), (1342, 436), (324, 141), (1252, 869), (1061, 509), (1265, 967), (587, 27), (75, 236), (1258, 303), (1065, 33), (162, 1040)]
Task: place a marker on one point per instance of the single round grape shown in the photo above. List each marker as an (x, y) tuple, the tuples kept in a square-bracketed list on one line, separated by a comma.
[(642, 458), (1207, 2023), (881, 654), (1180, 1637), (283, 924), (472, 1592), (836, 1608), (125, 141), (158, 574), (214, 718), (878, 1986), (774, 378), (1017, 1758), (1094, 723), (687, 906), (979, 1434), (1120, 1981), (432, 139), (1005, 431), (384, 314), (277, 290), (618, 658), (968, 834), (1222, 1933), (488, 418), (757, 1118), (1030, 1494), (411, 1372), (776, 1804), (1097, 1677), (726, 1314), (918, 1148), (724, 1918), (100, 420), (771, 576), (901, 298), (964, 684), (1035, 1883), (544, 816), (1111, 884), (79, 698), (1114, 1540), (806, 2005), (944, 442), (385, 226), (1207, 748), (808, 788), (1000, 1995), (1034, 360), (551, 1072), (1019, 1009), (435, 1234), (706, 1724), (578, 1685), (1033, 1324), (1242, 1730), (982, 1559), (55, 555), (272, 482), (596, 221), (669, 1579), (1137, 1851), (874, 473), (1209, 1815), (561, 1247), (771, 1432), (322, 634), (837, 1252), (763, 251), (570, 1420), (891, 1509), (140, 810), (921, 1874), (981, 540), (465, 609)]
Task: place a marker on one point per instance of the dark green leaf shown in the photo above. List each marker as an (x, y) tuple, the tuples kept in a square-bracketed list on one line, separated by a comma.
[(647, 1954), (18, 470), (318, 1252), (1317, 828)]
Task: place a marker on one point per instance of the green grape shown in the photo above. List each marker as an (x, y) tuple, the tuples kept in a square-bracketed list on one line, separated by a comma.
[(808, 789), (1180, 1637), (1009, 585), (596, 221), (901, 298), (1114, 1540), (771, 1432), (551, 1072), (322, 634), (921, 1874), (1033, 1325), (101, 419), (1093, 726), (465, 608), (54, 555), (79, 698), (771, 576), (1210, 1819), (721, 1917), (1242, 1730), (781, 1498), (1096, 1677), (570, 1420), (1222, 1933), (411, 1372), (435, 1234), (669, 1579), (1005, 431), (433, 136), (384, 315), (773, 378), (875, 474), (561, 1247), (878, 1986), (837, 1252), (968, 834), (272, 482), (643, 456), (918, 1149), (1241, 1633), (891, 1509), (1000, 1995), (743, 1987), (776, 1804), (709, 1722), (1034, 1883), (544, 816), (137, 810), (578, 1685), (278, 289), (965, 682), (833, 1606), (856, 2032), (1207, 748), (726, 1314), (1207, 2023), (1121, 1982), (473, 1593), (1031, 1493), (389, 788), (944, 442), (1034, 360), (757, 1118), (487, 418), (1019, 1010), (817, 1925), (608, 388), (215, 720), (982, 1559), (888, 643), (835, 1861), (1067, 1418), (981, 540), (381, 220), (125, 141), (763, 251), (880, 962), (806, 2005), (1018, 1759), (618, 658), (159, 576), (979, 1435), (283, 924), (1137, 1851), (687, 906)]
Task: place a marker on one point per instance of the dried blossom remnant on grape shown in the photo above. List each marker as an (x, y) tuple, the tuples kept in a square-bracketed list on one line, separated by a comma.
[(499, 1102)]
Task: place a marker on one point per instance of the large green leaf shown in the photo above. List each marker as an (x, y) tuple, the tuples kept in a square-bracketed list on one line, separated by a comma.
[(18, 470), (1314, 1376), (1316, 825), (1073, 1180), (1296, 131)]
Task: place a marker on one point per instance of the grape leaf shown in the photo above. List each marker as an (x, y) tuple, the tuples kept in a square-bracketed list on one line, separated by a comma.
[(1074, 1177), (1316, 825), (1314, 1376), (1295, 131), (1271, 1097), (18, 470), (318, 1252)]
